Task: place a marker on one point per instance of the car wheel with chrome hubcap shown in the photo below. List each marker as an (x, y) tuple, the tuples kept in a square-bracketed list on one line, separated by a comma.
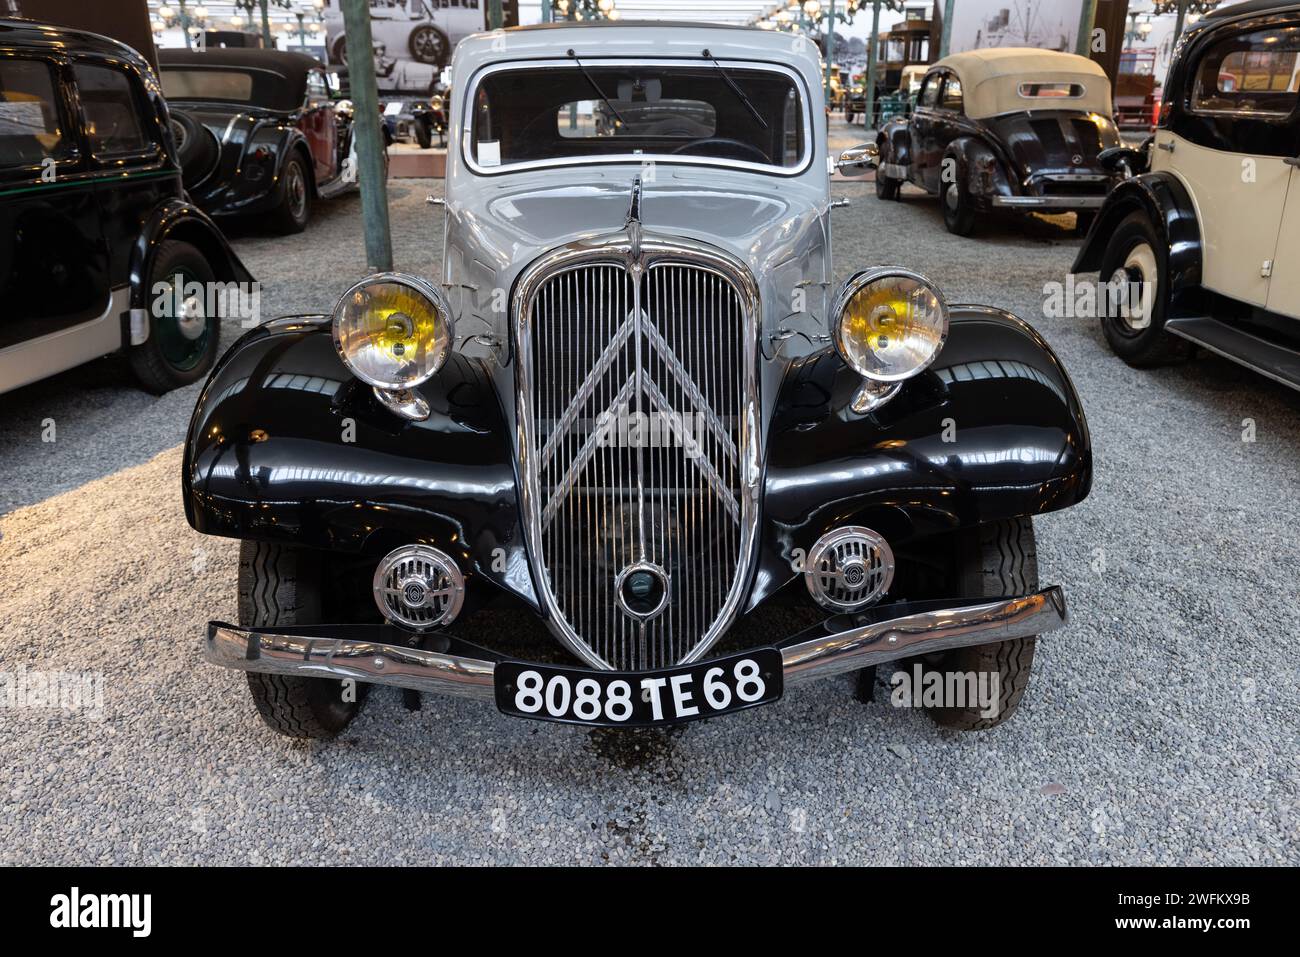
[(1135, 294)]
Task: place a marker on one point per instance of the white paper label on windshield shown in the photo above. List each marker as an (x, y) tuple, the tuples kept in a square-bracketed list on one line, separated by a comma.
[(489, 152)]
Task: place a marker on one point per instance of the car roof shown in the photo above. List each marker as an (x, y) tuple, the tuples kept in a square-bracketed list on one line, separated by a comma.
[(1249, 7), (284, 62), (47, 37), (991, 80), (974, 66)]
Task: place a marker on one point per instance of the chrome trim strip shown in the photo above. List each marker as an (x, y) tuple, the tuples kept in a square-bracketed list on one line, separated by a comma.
[(926, 632), (1049, 202), (640, 159), (379, 663), (635, 252)]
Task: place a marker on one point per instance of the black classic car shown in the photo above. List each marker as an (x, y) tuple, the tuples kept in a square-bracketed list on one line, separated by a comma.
[(100, 250), (638, 458), (259, 132), (1004, 129), (1201, 247)]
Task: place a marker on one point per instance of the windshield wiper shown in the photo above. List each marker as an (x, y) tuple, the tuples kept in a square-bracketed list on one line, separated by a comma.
[(604, 99), (740, 94)]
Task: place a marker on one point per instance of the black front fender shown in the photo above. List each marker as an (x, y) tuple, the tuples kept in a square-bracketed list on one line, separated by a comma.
[(993, 429), (285, 445), (1163, 199)]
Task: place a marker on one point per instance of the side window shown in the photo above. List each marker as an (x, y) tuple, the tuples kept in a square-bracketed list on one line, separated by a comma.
[(930, 91), (1255, 72), (316, 88), (951, 99), (30, 126), (111, 109)]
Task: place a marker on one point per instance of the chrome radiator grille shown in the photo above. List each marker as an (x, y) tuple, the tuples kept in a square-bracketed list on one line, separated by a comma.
[(637, 388)]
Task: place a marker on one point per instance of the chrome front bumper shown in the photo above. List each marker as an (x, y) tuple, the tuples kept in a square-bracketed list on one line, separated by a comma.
[(841, 644), (1049, 202)]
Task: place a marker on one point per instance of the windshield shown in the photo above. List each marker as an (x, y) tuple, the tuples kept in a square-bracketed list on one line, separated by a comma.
[(630, 112)]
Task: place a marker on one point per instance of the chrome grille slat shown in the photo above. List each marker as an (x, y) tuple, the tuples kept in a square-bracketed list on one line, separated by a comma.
[(666, 348)]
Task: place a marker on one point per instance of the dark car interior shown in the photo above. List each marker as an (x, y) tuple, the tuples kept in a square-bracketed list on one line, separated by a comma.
[(602, 111)]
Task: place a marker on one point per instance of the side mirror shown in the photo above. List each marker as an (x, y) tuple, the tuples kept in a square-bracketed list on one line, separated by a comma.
[(856, 160)]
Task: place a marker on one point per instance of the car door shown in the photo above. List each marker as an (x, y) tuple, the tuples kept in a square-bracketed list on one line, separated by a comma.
[(320, 125), (949, 121), (1233, 157), (922, 129), (54, 273)]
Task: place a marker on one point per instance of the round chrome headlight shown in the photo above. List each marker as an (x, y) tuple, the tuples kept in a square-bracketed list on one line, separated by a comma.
[(393, 331), (890, 323)]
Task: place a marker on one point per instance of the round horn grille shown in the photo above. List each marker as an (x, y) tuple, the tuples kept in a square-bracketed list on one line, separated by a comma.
[(419, 587), (849, 568)]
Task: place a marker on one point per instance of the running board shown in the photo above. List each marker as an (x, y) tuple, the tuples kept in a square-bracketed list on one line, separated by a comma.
[(1260, 355)]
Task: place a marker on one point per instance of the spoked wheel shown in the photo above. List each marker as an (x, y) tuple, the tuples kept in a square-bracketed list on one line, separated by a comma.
[(182, 343), (1134, 299), (428, 45)]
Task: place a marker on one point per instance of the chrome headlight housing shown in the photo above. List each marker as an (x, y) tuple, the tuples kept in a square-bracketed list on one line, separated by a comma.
[(393, 331), (889, 323)]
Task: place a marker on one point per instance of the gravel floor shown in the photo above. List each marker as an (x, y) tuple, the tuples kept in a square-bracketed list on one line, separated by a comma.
[(1160, 727)]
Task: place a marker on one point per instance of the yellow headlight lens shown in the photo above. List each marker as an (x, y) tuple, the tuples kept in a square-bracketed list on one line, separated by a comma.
[(890, 324), (393, 332)]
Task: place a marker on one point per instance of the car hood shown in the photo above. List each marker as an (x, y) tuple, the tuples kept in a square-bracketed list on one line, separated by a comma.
[(776, 226)]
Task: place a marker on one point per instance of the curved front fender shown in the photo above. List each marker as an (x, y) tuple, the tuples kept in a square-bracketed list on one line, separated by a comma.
[(993, 429), (1164, 200), (285, 445), (183, 221)]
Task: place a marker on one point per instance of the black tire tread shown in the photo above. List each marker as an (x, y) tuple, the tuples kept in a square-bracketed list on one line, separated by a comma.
[(277, 588), (1002, 560), (1154, 347)]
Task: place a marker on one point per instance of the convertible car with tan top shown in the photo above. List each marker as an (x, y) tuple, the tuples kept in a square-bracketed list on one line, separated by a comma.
[(1004, 130)]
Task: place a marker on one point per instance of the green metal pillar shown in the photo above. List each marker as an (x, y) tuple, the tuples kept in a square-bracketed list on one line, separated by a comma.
[(869, 117), (495, 17), (830, 49), (365, 132), (266, 27), (1178, 24), (1087, 15), (945, 38)]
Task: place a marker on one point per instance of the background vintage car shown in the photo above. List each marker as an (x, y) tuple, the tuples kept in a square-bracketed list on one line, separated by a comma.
[(1209, 236), (421, 31), (1020, 130), (662, 270), (93, 215), (258, 132)]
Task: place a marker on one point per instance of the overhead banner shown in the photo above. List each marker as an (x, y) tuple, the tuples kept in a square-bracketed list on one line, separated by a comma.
[(1042, 24), (413, 39)]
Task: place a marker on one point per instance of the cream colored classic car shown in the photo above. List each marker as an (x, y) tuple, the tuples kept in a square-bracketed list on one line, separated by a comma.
[(1200, 248)]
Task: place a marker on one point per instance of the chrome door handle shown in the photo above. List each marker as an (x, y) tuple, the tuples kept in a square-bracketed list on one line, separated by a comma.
[(1167, 147)]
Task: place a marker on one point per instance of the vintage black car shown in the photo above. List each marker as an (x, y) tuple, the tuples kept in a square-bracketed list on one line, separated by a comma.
[(258, 132), (638, 458), (1004, 129), (100, 251), (1201, 248)]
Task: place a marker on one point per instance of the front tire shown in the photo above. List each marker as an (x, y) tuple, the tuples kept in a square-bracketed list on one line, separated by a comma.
[(428, 45), (996, 559), (182, 343), (1136, 264), (886, 186), (423, 134), (282, 586)]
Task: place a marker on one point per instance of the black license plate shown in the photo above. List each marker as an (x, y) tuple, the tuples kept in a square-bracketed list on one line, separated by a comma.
[(639, 699)]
